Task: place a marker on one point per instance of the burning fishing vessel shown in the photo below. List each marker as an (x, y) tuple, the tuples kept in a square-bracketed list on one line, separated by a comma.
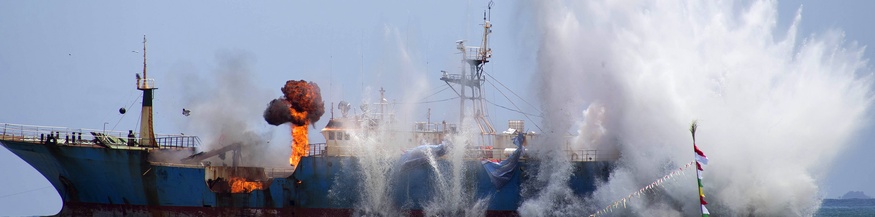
[(117, 173)]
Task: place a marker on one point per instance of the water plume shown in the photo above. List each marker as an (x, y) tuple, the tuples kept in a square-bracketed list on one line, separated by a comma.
[(451, 197), (774, 108), (378, 144)]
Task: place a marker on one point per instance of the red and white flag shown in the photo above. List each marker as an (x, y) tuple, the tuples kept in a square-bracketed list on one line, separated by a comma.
[(700, 156)]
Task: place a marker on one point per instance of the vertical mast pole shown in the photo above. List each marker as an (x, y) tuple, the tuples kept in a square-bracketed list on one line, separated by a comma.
[(147, 134), (144, 58), (463, 82), (693, 127)]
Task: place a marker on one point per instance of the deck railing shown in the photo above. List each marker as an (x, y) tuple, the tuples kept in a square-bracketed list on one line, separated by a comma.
[(590, 155), (420, 127), (177, 141), (316, 149), (476, 53), (71, 136), (144, 83)]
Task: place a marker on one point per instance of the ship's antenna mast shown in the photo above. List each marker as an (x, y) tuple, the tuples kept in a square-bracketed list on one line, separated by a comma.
[(144, 57), (476, 58), (147, 133)]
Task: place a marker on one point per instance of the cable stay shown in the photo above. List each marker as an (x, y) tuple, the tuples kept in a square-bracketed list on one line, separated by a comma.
[(424, 102), (124, 114), (442, 90), (511, 91), (513, 110), (514, 105)]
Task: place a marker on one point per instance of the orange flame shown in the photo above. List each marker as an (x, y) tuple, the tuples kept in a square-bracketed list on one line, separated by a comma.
[(300, 145), (305, 107), (240, 185)]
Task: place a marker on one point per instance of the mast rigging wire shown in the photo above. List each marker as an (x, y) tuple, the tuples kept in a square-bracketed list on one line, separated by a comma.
[(514, 104), (511, 91), (123, 115)]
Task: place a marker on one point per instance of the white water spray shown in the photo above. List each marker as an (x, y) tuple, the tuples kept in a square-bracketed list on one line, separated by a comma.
[(379, 153), (378, 167), (378, 150), (451, 197), (774, 109)]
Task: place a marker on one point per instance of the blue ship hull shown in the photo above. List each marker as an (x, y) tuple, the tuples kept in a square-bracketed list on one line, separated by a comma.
[(322, 177), (104, 181)]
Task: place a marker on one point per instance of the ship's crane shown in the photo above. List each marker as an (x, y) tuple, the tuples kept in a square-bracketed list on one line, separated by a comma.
[(233, 148)]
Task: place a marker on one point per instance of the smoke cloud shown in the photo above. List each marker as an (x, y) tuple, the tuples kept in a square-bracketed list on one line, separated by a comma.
[(774, 108), (302, 97), (277, 112), (225, 108)]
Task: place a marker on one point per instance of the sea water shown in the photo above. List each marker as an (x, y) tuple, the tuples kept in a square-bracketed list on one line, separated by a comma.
[(846, 207)]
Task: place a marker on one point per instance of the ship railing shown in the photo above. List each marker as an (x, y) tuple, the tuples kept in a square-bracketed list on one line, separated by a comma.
[(83, 136), (591, 155), (177, 141), (476, 53), (457, 78), (316, 149), (451, 77), (433, 127), (573, 155), (146, 83), (35, 133)]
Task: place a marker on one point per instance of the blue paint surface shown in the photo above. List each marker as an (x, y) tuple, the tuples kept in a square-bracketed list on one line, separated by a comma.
[(335, 182), (112, 176)]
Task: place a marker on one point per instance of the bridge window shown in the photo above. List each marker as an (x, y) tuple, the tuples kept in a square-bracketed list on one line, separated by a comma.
[(330, 135)]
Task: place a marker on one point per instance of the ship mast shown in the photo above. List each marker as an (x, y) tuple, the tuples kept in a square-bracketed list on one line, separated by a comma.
[(476, 58), (147, 133)]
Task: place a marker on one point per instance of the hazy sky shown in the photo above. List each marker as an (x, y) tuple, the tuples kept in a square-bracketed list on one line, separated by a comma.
[(72, 64)]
